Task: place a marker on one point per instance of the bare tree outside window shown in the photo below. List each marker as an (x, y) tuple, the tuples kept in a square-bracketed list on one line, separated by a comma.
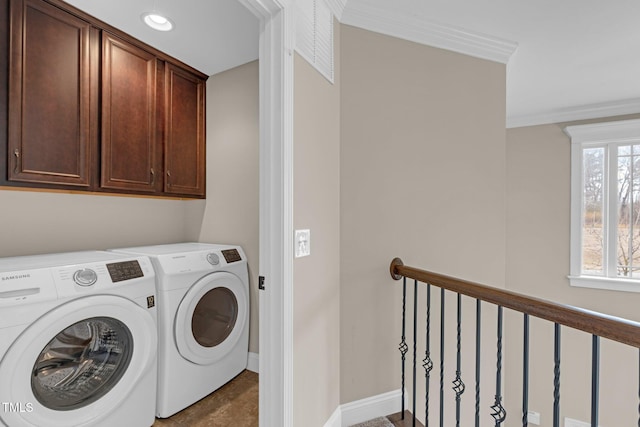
[(592, 229), (628, 210), (628, 251)]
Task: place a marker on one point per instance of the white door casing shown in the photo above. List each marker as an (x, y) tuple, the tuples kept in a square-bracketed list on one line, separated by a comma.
[(276, 210)]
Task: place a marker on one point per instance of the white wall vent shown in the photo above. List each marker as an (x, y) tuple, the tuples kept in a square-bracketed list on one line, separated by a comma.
[(314, 35)]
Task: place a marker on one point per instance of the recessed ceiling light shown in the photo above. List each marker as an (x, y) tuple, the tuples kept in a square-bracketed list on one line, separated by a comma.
[(157, 21)]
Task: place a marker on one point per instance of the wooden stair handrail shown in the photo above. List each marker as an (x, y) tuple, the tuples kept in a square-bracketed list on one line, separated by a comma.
[(611, 327)]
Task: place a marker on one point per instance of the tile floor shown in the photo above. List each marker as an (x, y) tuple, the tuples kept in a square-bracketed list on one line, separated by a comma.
[(235, 404)]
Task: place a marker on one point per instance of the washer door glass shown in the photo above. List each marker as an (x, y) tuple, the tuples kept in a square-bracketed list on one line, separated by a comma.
[(82, 363), (214, 317)]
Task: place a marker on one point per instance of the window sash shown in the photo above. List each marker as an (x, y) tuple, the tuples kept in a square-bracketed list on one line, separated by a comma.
[(609, 137)]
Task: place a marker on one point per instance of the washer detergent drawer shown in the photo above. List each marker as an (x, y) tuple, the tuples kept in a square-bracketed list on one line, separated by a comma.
[(19, 288)]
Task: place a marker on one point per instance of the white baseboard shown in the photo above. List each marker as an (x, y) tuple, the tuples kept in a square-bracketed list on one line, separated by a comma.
[(335, 420), (253, 363), (366, 409)]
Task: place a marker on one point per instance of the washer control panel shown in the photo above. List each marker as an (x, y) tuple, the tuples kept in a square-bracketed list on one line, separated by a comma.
[(125, 270), (105, 275)]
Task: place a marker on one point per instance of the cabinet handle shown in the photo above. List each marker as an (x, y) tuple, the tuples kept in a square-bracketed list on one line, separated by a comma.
[(16, 153), (153, 177), (168, 178)]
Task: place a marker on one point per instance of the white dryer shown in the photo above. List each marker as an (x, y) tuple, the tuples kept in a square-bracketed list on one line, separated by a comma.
[(78, 341), (203, 319)]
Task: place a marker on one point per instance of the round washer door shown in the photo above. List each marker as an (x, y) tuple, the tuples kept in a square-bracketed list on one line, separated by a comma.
[(211, 317), (77, 363)]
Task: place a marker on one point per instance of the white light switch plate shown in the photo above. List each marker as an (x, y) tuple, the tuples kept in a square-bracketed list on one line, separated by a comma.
[(303, 243)]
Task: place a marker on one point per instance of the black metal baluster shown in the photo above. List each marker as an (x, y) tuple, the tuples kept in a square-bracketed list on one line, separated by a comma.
[(441, 357), (595, 379), (458, 385), (499, 413), (556, 377), (525, 373), (415, 346), (403, 343), (478, 351), (427, 363)]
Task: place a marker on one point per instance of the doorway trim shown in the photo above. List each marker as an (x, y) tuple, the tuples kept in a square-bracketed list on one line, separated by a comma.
[(276, 211)]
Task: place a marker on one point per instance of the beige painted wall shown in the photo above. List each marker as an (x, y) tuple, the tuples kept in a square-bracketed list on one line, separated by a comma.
[(423, 178), (231, 214), (316, 278), (42, 222), (538, 220)]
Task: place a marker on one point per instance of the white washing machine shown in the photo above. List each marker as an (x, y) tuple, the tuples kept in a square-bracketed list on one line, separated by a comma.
[(78, 340), (203, 319)]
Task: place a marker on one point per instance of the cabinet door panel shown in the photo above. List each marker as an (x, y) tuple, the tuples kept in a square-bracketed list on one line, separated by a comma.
[(184, 133), (49, 96), (129, 146)]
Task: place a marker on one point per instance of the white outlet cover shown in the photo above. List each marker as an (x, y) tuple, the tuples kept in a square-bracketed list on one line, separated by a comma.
[(303, 243), (533, 417), (568, 422)]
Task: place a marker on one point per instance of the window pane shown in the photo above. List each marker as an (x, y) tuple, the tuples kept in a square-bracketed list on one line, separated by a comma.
[(628, 245), (592, 233)]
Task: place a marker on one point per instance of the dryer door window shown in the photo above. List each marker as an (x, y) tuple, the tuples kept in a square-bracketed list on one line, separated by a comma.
[(214, 317), (81, 363), (211, 318)]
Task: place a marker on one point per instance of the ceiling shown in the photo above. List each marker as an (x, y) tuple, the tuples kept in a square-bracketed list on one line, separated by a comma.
[(209, 35), (566, 59)]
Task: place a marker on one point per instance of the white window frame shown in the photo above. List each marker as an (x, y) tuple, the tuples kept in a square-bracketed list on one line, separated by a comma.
[(607, 135)]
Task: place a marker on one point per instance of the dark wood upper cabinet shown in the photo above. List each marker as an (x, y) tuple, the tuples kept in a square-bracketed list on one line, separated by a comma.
[(184, 132), (130, 146), (49, 104), (92, 108)]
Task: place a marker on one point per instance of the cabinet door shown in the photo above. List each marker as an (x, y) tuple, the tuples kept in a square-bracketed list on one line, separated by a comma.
[(130, 148), (184, 132), (49, 83)]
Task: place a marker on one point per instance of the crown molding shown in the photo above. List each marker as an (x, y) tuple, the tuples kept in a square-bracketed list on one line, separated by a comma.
[(412, 28), (584, 112), (623, 130)]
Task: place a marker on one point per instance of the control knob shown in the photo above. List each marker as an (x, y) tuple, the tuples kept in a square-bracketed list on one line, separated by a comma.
[(213, 259), (85, 277)]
